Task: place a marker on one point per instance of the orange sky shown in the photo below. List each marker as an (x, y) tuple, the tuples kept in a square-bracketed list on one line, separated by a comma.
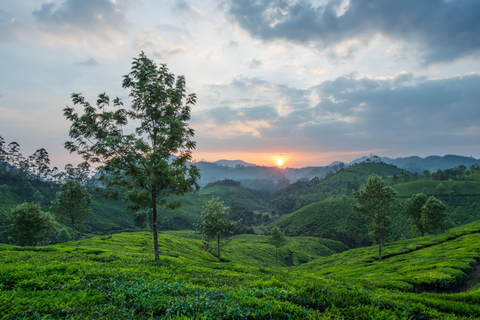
[(290, 160)]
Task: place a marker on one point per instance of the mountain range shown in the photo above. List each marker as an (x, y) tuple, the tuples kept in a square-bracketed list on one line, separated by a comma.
[(262, 177)]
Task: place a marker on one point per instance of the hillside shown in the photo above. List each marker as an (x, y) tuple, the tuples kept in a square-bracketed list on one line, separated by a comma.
[(431, 163), (431, 262), (111, 216), (114, 277), (337, 184), (331, 218)]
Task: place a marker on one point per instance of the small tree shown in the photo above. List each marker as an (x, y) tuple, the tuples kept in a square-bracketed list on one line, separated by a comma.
[(29, 224), (142, 220), (277, 239), (72, 203), (149, 164), (413, 209), (374, 202), (214, 224), (433, 214)]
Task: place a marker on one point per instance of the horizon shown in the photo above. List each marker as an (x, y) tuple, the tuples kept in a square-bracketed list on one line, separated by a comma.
[(302, 82)]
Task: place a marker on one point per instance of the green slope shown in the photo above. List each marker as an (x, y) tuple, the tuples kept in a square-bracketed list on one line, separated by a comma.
[(336, 184), (114, 277), (431, 262), (317, 217), (331, 217)]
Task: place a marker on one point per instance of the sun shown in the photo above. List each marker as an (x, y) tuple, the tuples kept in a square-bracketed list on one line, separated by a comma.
[(279, 161)]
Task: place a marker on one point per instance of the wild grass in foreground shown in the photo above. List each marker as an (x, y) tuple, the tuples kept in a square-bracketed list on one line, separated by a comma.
[(115, 277)]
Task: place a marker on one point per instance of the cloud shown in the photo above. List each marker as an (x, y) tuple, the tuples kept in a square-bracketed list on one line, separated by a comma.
[(98, 18), (441, 30), (11, 27), (353, 114), (254, 63), (90, 62)]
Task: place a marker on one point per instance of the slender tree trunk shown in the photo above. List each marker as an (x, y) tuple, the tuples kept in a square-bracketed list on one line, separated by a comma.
[(218, 248), (379, 243), (155, 232), (435, 229), (154, 226), (73, 230)]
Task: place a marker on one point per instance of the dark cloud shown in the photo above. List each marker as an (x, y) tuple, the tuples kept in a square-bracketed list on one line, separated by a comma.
[(443, 30), (225, 114), (259, 113), (222, 115), (95, 17), (90, 62), (373, 113), (404, 112)]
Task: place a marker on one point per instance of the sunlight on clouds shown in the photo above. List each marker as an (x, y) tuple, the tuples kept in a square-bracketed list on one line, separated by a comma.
[(342, 7), (292, 63)]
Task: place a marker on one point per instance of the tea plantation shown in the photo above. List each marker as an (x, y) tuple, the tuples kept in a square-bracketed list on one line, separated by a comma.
[(115, 277)]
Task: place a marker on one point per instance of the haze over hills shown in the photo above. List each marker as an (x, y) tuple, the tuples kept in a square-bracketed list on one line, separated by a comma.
[(234, 163), (431, 163), (262, 177)]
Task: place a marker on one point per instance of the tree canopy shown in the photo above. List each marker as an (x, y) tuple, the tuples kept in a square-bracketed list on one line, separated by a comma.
[(374, 202), (277, 239), (413, 209), (433, 214), (72, 203), (213, 224), (29, 225), (149, 164)]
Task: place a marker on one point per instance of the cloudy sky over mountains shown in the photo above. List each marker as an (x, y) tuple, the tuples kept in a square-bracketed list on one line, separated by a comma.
[(311, 81)]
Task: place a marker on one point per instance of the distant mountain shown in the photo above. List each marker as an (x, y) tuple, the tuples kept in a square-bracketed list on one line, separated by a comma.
[(417, 164), (259, 177), (234, 163)]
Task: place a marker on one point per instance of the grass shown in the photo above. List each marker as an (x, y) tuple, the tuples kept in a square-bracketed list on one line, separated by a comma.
[(431, 262), (114, 277)]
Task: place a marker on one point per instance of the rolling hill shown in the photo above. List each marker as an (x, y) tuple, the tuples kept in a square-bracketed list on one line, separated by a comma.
[(114, 276)]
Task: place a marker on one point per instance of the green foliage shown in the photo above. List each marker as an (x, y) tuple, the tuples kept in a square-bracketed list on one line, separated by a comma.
[(316, 218), (140, 165), (374, 202), (29, 225), (213, 224), (426, 263), (433, 214), (72, 203), (142, 220), (63, 235), (277, 239), (413, 209), (112, 277)]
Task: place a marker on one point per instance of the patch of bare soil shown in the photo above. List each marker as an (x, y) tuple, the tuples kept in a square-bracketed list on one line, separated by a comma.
[(472, 281)]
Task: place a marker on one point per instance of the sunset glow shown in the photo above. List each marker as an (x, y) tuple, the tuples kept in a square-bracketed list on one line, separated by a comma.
[(279, 162)]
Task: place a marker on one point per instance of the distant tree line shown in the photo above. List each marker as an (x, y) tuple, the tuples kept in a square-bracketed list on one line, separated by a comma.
[(16, 168)]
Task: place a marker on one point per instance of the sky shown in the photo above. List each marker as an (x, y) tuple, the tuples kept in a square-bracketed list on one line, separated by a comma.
[(310, 82)]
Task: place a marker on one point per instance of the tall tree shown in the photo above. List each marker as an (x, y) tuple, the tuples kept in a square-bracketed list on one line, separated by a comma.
[(434, 214), (413, 209), (3, 152), (374, 202), (277, 239), (29, 225), (40, 162), (140, 165), (213, 224), (72, 203)]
